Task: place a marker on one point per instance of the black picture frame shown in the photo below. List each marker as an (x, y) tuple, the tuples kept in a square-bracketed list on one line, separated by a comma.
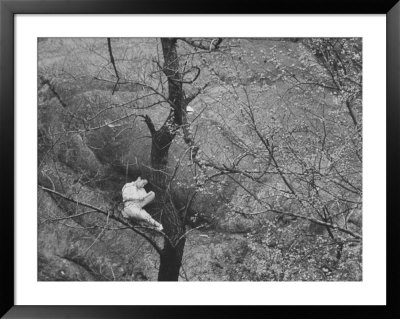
[(8, 10)]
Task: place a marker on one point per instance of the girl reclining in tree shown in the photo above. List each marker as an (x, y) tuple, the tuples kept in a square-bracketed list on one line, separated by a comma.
[(135, 197)]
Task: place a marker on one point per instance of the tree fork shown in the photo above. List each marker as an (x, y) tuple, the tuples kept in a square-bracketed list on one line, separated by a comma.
[(174, 226)]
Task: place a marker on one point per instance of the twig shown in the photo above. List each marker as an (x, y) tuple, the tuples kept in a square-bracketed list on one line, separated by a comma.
[(185, 234), (99, 235)]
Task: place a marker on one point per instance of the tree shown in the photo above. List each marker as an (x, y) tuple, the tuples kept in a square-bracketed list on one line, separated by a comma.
[(176, 74), (290, 121)]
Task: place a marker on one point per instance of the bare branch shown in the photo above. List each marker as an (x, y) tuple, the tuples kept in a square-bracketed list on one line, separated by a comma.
[(313, 220), (199, 44), (149, 124), (185, 234), (56, 219), (191, 97), (45, 81), (113, 64), (101, 211)]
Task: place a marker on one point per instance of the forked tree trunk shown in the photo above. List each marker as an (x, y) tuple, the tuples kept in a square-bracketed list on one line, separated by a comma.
[(173, 223)]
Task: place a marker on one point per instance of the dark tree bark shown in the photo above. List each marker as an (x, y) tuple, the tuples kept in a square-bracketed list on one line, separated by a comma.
[(170, 262), (162, 139), (171, 256), (173, 223), (172, 219), (161, 143)]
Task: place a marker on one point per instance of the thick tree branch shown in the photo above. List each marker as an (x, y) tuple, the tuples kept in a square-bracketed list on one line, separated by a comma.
[(113, 64), (149, 124), (101, 211)]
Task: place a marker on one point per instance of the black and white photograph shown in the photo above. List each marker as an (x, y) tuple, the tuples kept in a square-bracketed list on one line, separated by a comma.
[(200, 159)]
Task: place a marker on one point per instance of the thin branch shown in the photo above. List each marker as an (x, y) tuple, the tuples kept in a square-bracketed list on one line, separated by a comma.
[(53, 90), (190, 81), (313, 220), (99, 235), (200, 45), (185, 234), (55, 219), (191, 97)]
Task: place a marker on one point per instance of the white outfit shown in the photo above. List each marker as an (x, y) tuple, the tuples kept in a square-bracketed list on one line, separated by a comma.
[(134, 199)]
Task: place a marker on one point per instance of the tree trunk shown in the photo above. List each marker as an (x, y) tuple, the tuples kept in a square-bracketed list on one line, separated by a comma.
[(171, 261), (174, 228), (172, 221), (161, 142), (162, 139), (171, 257)]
